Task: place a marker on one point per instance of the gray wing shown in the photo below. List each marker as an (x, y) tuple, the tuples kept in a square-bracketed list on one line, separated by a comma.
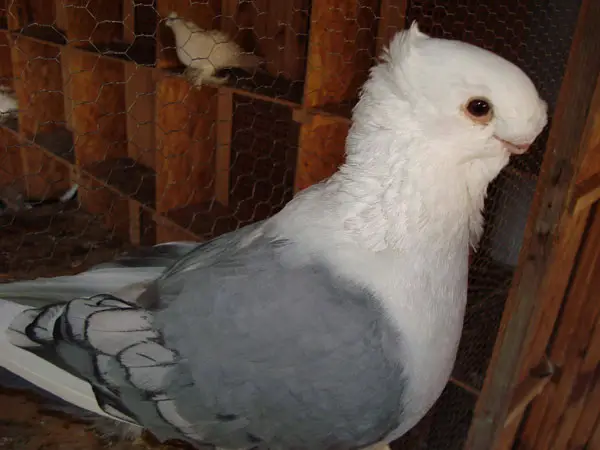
[(112, 345), (286, 355)]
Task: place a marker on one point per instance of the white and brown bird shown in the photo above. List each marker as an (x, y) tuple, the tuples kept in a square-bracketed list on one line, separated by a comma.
[(205, 52)]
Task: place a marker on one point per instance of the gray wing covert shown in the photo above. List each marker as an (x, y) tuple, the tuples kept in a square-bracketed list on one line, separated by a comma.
[(290, 353)]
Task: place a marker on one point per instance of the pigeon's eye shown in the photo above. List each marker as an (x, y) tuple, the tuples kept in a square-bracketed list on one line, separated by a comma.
[(479, 110)]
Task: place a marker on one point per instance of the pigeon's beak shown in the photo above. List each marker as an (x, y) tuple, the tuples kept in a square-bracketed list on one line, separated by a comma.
[(515, 149)]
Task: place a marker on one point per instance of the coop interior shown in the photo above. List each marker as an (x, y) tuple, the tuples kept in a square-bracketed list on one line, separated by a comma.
[(114, 146)]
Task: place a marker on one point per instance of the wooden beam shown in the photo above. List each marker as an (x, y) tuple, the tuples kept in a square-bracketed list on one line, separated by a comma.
[(587, 193), (341, 50), (321, 150), (528, 390), (548, 218), (392, 19), (223, 157)]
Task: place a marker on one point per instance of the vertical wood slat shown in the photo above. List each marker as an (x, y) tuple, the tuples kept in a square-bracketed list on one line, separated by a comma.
[(392, 20), (341, 49), (339, 57), (97, 87), (94, 21), (11, 166), (223, 157), (275, 29), (140, 100), (568, 244), (112, 208), (62, 22), (98, 95), (139, 106), (38, 84), (580, 313), (513, 355), (542, 419), (185, 140), (129, 20), (587, 379), (587, 430), (321, 150), (6, 68)]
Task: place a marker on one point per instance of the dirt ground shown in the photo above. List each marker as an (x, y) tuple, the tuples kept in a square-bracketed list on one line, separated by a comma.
[(24, 427)]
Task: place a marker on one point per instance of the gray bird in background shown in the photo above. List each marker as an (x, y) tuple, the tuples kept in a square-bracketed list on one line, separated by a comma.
[(333, 324)]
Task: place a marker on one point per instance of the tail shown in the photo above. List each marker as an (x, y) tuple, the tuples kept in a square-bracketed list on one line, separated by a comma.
[(126, 277), (38, 371)]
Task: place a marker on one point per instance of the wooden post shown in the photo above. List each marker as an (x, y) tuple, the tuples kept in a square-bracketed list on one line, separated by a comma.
[(541, 279), (223, 159)]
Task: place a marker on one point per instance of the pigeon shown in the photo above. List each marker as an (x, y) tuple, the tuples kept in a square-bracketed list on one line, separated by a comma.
[(333, 324), (204, 52), (8, 103)]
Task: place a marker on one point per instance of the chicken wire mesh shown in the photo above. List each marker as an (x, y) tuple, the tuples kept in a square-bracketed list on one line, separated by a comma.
[(109, 141)]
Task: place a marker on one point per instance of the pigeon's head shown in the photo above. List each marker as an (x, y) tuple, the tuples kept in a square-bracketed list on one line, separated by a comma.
[(476, 103), (171, 19)]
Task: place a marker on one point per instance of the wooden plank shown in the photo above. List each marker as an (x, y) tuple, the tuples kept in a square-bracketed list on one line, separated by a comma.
[(575, 326), (587, 192), (45, 177), (186, 140), (101, 201), (539, 256), (341, 50), (11, 165), (587, 379), (527, 390), (38, 84), (589, 417), (129, 20), (392, 20), (139, 104), (94, 21), (98, 95), (223, 158), (594, 442), (277, 31), (205, 14), (555, 284), (15, 19), (135, 229), (321, 151), (99, 127), (6, 67)]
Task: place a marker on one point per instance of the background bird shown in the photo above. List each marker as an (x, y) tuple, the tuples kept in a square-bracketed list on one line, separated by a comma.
[(204, 52), (8, 103), (333, 324)]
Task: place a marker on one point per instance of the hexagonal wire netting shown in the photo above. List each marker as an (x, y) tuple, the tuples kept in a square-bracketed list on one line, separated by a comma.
[(109, 142)]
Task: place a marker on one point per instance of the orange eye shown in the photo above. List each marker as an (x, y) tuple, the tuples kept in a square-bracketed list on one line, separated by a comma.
[(479, 110)]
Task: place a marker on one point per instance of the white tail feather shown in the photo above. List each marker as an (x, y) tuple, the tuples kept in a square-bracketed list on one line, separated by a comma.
[(40, 372), (124, 282)]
